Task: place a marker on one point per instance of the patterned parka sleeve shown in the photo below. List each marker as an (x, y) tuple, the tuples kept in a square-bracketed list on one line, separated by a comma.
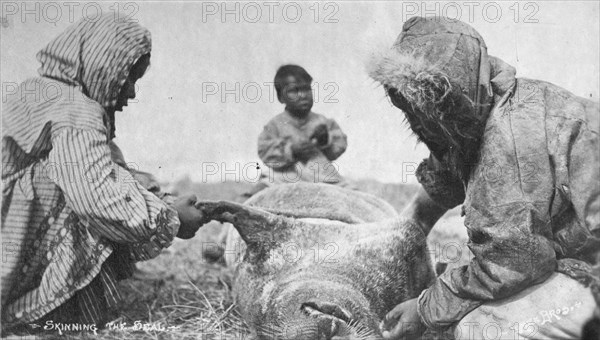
[(105, 196), (274, 150)]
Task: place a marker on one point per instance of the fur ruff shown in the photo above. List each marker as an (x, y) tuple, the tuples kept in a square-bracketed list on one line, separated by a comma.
[(431, 92)]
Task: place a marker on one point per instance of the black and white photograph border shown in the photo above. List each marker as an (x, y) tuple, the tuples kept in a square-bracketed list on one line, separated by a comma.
[(300, 169)]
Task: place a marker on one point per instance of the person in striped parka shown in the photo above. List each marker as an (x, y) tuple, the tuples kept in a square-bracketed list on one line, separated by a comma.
[(74, 219)]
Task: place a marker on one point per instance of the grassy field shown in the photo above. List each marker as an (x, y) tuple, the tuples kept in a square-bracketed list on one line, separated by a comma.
[(179, 295)]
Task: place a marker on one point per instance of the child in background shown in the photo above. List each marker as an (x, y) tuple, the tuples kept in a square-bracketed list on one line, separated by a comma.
[(298, 144)]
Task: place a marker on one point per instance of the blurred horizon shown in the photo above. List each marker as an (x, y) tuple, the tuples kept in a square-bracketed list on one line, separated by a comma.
[(208, 92)]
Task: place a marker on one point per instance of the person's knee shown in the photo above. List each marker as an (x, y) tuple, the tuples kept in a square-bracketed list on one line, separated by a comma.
[(474, 326), (530, 314)]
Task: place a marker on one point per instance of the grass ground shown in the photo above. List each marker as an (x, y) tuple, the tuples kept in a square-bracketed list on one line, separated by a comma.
[(179, 295)]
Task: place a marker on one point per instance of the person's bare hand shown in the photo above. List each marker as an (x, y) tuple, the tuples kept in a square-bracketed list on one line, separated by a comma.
[(403, 322), (116, 154), (190, 217), (320, 136), (304, 151), (147, 180)]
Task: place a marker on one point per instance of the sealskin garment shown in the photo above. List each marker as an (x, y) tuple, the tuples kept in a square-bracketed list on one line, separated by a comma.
[(66, 205), (284, 130), (531, 197)]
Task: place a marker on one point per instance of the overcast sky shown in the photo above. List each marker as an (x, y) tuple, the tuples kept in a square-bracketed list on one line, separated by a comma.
[(209, 91)]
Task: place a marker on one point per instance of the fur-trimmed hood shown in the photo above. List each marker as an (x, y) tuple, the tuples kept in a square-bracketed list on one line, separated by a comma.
[(439, 74), (432, 55)]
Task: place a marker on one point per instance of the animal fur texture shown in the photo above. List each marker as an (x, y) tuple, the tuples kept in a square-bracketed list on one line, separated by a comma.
[(315, 261)]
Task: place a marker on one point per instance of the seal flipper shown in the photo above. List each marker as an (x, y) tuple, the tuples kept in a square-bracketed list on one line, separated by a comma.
[(261, 230)]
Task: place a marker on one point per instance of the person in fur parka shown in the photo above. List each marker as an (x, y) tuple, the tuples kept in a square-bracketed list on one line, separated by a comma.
[(522, 157)]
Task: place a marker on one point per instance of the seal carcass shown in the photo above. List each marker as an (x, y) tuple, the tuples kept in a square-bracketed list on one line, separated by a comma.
[(315, 261)]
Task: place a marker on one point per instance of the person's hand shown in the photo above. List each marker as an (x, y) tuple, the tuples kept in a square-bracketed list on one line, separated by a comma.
[(116, 154), (304, 151), (403, 322), (147, 180), (190, 217), (320, 136)]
